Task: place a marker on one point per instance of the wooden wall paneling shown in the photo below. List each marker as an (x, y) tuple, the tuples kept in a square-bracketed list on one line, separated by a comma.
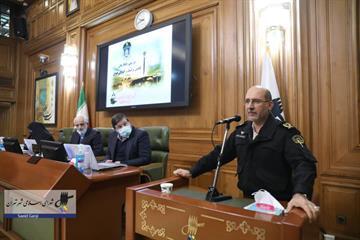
[(190, 127), (61, 15), (7, 62), (95, 12), (243, 49), (24, 104), (190, 116), (72, 85), (340, 219), (335, 82), (339, 128), (227, 58), (5, 118), (53, 66)]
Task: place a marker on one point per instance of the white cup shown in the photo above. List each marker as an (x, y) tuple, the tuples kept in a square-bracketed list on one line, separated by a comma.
[(329, 237), (166, 187)]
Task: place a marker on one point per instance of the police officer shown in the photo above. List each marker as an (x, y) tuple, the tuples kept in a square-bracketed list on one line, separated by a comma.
[(271, 155)]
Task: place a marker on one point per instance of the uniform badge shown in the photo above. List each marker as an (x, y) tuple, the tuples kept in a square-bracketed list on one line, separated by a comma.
[(298, 140), (241, 135), (287, 125)]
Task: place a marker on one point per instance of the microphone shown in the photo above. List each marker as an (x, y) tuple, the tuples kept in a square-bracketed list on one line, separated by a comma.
[(235, 118)]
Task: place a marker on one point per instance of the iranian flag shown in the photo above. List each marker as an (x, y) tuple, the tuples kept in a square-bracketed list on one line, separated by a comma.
[(82, 108)]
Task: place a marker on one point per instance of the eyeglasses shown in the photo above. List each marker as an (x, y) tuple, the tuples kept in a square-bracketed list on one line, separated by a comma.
[(80, 124), (255, 101)]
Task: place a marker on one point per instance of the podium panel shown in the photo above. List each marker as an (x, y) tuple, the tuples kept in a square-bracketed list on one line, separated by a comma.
[(99, 198), (184, 214)]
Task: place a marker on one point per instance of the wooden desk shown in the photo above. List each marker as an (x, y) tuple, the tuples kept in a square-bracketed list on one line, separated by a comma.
[(156, 215), (99, 198)]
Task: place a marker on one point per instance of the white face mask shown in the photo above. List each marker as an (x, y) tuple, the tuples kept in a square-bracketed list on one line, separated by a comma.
[(125, 131)]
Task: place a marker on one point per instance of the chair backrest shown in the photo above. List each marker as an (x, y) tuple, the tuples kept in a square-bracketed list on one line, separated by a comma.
[(159, 143), (65, 135), (105, 132)]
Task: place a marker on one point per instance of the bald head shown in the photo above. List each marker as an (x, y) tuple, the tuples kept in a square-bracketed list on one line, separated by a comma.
[(266, 94), (258, 104)]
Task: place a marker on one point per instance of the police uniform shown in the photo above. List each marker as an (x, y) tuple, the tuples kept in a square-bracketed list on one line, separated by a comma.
[(276, 160)]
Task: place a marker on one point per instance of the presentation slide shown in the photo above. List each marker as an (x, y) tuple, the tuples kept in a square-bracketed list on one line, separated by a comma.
[(139, 70)]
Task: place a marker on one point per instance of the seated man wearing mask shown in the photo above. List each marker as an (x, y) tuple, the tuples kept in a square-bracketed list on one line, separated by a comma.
[(128, 144), (87, 136)]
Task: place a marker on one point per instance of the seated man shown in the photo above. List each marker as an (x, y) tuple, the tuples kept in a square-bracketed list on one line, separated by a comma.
[(87, 136), (270, 154), (128, 144)]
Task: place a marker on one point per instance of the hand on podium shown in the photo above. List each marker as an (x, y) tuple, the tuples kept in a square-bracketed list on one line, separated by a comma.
[(182, 173), (299, 200)]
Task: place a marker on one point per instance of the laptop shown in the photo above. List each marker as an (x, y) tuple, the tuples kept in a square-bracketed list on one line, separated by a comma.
[(29, 144), (71, 150)]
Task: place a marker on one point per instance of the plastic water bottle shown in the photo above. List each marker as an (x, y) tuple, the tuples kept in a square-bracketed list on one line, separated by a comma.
[(2, 148), (80, 159), (87, 163)]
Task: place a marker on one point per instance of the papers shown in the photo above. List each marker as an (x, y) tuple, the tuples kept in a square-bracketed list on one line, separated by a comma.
[(29, 144), (72, 149), (265, 203)]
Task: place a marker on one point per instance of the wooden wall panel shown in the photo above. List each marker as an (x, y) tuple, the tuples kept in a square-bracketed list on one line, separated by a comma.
[(338, 88), (340, 218), (334, 81), (7, 62)]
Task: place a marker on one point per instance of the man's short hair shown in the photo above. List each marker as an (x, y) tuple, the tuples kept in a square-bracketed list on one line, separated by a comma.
[(268, 96), (117, 118), (86, 120)]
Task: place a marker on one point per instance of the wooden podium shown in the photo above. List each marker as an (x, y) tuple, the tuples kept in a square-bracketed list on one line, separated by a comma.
[(99, 198), (184, 215)]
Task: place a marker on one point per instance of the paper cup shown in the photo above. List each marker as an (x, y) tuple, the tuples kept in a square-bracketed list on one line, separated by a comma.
[(166, 187)]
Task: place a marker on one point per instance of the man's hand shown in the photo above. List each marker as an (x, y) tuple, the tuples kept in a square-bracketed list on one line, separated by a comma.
[(182, 173), (298, 200), (109, 161)]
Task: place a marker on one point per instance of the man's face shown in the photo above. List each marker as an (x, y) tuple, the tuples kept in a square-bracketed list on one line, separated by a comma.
[(123, 122), (257, 107), (80, 124)]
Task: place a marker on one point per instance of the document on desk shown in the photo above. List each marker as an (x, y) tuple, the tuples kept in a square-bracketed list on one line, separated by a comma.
[(265, 203)]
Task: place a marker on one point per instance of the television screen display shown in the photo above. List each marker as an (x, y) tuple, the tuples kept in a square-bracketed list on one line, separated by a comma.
[(149, 68)]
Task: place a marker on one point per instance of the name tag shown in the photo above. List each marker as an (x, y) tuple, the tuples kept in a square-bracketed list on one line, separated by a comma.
[(240, 136)]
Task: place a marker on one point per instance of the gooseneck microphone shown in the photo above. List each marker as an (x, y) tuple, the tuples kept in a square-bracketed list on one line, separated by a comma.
[(235, 118)]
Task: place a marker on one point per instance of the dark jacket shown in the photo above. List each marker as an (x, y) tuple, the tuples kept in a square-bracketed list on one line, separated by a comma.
[(92, 138), (137, 148), (39, 132), (277, 160)]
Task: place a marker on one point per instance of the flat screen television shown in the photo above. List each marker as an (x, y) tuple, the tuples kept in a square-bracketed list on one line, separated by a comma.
[(53, 150), (146, 69), (12, 145)]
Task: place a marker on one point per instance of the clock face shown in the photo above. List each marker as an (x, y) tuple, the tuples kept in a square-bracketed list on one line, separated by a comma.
[(143, 19)]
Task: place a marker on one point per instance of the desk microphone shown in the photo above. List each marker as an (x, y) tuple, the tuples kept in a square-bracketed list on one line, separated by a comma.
[(235, 118)]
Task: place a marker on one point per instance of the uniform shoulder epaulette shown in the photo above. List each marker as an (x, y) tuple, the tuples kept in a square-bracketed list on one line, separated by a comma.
[(290, 128), (287, 125)]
